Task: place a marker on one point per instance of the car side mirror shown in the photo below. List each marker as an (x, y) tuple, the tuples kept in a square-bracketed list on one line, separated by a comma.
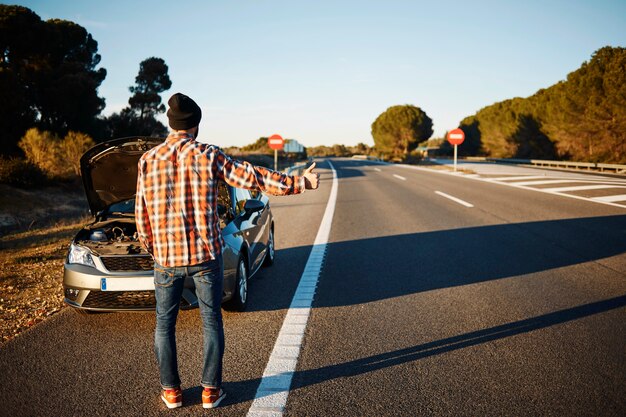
[(253, 205)]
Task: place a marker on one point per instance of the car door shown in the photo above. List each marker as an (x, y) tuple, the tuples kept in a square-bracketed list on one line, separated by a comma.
[(252, 227), (231, 235)]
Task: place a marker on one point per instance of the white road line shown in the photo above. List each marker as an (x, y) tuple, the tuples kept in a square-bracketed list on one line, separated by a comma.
[(521, 187), (611, 198), (544, 182), (521, 177), (400, 177), (457, 200), (377, 169), (581, 188), (271, 396)]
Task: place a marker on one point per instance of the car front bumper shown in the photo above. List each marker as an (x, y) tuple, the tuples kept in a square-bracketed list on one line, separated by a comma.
[(91, 289)]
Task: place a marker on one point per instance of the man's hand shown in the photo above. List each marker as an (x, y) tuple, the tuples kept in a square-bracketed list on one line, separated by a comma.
[(311, 179)]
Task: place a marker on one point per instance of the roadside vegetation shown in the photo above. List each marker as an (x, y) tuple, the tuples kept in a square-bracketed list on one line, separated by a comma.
[(51, 111), (31, 275), (259, 153), (260, 148), (582, 118), (398, 131)]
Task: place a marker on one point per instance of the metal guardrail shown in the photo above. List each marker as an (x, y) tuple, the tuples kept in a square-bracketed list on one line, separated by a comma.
[(620, 169), (297, 169), (366, 158), (589, 166)]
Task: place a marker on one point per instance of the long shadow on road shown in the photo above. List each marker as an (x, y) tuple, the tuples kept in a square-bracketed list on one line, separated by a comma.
[(373, 269), (361, 366)]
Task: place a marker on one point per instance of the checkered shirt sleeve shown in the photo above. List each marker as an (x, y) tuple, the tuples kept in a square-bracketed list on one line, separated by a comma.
[(241, 174)]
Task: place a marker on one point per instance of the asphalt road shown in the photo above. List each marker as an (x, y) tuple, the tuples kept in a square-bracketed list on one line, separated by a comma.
[(515, 306)]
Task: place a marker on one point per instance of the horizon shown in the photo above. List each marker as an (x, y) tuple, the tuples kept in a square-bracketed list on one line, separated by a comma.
[(321, 73)]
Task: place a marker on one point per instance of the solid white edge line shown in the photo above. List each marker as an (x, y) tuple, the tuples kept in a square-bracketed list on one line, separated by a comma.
[(523, 187), (400, 177), (456, 200), (271, 395), (611, 198)]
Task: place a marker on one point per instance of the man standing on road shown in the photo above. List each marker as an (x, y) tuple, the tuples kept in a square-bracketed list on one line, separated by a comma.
[(177, 222)]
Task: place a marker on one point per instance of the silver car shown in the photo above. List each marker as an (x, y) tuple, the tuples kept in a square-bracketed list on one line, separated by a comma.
[(107, 269)]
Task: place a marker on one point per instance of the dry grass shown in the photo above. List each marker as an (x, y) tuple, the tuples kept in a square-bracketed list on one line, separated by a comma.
[(31, 274)]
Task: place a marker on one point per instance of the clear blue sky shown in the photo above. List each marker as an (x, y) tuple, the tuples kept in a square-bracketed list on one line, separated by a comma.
[(322, 71)]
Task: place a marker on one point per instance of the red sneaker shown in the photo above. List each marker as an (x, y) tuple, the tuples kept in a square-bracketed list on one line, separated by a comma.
[(211, 397), (173, 398)]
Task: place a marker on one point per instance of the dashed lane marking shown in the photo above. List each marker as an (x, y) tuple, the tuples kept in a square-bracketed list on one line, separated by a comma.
[(456, 200), (400, 177)]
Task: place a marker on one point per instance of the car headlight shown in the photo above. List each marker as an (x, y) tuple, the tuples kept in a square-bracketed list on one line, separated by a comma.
[(80, 255)]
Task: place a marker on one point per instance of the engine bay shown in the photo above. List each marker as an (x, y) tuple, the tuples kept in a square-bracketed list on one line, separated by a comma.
[(111, 237)]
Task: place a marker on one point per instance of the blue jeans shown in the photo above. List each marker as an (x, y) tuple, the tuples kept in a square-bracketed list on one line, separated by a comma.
[(168, 288)]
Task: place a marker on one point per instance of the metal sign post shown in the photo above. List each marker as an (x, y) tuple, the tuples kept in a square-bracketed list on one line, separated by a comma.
[(456, 137), (276, 142)]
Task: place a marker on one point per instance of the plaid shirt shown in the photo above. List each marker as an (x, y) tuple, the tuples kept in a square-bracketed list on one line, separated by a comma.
[(176, 201)]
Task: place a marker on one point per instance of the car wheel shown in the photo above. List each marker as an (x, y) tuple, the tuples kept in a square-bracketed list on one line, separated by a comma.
[(240, 297), (269, 256)]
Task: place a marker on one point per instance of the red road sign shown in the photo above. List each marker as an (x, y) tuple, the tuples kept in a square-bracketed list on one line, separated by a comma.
[(456, 137), (276, 142)]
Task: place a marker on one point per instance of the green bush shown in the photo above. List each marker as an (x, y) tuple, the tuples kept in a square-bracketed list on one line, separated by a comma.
[(57, 158), (72, 147), (21, 173), (40, 150)]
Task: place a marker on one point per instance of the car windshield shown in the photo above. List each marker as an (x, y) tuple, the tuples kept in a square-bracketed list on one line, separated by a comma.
[(123, 207)]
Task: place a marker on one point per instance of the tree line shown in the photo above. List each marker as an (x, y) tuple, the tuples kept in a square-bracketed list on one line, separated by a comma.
[(582, 118), (49, 80), (50, 110)]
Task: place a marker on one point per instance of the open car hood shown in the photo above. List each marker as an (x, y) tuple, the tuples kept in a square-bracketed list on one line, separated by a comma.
[(109, 170)]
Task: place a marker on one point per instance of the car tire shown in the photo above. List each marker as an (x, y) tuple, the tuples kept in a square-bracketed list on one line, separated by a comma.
[(240, 297), (271, 252)]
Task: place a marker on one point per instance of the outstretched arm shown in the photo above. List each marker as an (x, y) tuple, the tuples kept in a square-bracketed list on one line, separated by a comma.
[(245, 175)]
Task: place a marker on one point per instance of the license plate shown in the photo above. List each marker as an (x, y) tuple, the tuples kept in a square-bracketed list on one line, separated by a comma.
[(127, 284)]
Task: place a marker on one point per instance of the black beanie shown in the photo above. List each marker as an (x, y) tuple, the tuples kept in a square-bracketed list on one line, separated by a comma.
[(183, 113)]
